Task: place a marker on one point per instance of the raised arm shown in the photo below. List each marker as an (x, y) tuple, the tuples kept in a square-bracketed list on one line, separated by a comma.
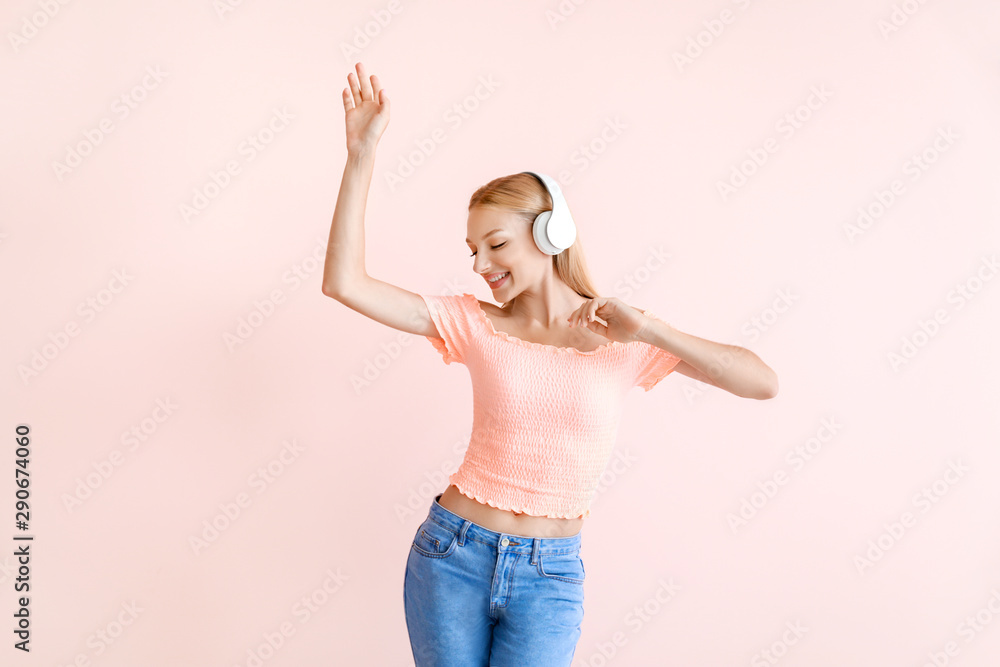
[(366, 111)]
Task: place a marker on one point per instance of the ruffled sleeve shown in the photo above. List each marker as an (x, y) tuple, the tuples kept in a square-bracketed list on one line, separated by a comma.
[(451, 317), (652, 363)]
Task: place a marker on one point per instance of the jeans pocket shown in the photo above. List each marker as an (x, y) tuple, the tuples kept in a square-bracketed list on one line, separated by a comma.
[(434, 540), (564, 567)]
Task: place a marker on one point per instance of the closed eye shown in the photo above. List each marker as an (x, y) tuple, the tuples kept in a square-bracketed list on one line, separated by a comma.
[(492, 246)]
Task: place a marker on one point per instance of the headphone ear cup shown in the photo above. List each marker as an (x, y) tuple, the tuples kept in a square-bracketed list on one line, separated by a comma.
[(553, 230), (539, 230), (560, 232)]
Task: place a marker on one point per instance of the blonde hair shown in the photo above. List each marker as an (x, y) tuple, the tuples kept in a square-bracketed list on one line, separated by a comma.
[(525, 196)]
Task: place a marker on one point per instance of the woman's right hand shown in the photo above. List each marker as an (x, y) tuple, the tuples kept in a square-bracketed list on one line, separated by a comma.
[(366, 111)]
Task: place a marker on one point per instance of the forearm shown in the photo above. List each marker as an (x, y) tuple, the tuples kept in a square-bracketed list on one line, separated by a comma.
[(730, 367), (345, 250)]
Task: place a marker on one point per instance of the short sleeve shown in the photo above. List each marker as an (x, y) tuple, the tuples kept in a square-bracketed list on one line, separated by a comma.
[(653, 363), (451, 317)]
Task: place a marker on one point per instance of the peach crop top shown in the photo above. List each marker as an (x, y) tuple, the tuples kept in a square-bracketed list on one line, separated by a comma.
[(545, 418)]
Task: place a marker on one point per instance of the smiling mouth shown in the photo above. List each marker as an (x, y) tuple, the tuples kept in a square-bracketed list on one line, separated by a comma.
[(499, 279)]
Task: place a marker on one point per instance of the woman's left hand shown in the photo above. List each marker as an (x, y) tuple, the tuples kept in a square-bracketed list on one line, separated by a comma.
[(623, 321)]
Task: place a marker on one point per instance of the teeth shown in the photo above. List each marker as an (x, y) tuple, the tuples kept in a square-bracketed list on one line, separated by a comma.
[(500, 277)]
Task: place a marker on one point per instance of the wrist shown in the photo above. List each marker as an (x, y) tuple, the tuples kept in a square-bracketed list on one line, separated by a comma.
[(648, 331), (361, 155)]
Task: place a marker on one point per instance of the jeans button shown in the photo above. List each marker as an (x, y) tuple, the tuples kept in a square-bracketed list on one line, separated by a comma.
[(505, 541)]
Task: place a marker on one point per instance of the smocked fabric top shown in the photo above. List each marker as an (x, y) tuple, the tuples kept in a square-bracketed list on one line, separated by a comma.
[(545, 418)]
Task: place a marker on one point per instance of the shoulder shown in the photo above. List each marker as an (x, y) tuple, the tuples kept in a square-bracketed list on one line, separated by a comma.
[(493, 313), (470, 308), (463, 300), (490, 308)]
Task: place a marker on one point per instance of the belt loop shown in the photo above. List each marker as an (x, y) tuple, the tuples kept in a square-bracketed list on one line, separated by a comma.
[(534, 550), (461, 533)]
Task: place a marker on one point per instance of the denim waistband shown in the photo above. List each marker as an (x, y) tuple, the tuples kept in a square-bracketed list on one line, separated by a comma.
[(467, 529)]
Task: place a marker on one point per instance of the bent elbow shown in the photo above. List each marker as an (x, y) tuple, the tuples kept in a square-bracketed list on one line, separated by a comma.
[(331, 291), (771, 390)]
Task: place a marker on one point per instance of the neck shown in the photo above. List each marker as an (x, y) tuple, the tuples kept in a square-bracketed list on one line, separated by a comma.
[(549, 305)]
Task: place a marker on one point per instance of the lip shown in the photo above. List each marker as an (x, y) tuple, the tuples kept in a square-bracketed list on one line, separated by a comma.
[(500, 282)]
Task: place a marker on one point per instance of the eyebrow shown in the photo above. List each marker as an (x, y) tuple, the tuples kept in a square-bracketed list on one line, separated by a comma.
[(486, 235)]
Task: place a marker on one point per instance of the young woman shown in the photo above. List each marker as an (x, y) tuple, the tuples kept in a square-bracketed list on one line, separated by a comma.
[(494, 574)]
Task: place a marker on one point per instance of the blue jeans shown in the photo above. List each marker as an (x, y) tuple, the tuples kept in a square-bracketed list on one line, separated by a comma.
[(475, 597)]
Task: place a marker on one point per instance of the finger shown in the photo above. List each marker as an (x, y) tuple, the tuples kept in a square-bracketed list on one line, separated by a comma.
[(348, 100), (355, 90), (376, 88), (366, 86), (583, 315), (572, 319)]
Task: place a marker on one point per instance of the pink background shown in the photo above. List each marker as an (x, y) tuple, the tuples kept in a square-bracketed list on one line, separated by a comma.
[(374, 415)]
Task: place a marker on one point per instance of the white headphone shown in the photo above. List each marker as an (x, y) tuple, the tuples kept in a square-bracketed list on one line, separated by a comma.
[(554, 230)]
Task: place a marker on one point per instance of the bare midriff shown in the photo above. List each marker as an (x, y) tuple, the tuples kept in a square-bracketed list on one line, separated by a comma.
[(507, 521)]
